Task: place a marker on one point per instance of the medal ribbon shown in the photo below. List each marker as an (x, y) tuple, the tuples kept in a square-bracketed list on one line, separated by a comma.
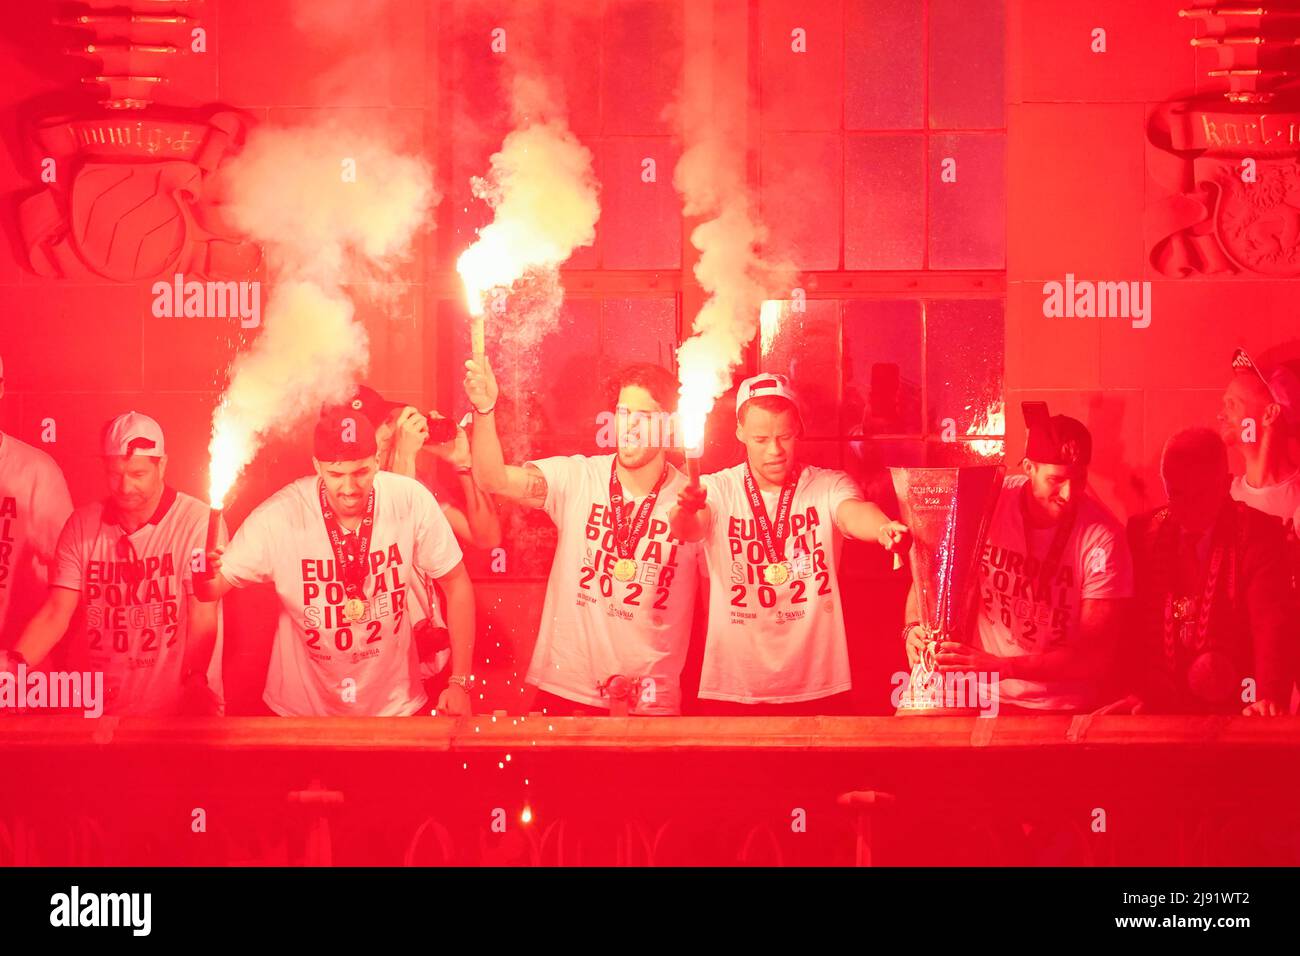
[(1054, 550), (1207, 599), (626, 538), (772, 538), (351, 567)]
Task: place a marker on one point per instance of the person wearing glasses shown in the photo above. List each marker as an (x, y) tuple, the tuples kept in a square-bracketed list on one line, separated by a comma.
[(126, 563)]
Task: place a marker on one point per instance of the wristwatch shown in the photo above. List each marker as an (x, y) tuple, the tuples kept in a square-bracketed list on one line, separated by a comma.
[(461, 680)]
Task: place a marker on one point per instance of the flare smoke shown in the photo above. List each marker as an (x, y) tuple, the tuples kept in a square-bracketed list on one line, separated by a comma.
[(711, 177), (545, 202), (331, 205)]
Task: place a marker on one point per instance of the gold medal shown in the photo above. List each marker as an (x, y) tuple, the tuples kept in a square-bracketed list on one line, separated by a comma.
[(777, 573), (625, 569), (354, 610)]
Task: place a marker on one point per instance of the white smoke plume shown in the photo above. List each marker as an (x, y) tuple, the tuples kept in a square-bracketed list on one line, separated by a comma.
[(332, 205), (347, 39), (711, 177), (543, 191)]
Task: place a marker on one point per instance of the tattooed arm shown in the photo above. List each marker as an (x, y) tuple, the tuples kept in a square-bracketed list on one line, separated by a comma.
[(526, 485)]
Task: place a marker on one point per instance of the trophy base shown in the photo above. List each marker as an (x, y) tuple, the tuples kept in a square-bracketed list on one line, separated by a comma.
[(925, 696), (937, 712)]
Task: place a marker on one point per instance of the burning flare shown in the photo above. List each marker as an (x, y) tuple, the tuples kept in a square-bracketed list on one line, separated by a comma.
[(544, 197), (331, 205), (712, 177), (740, 284)]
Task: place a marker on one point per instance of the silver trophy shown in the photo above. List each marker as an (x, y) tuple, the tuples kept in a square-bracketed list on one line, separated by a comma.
[(948, 511)]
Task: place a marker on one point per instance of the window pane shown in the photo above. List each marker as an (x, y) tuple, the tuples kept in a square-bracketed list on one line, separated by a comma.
[(964, 342), (641, 60), (955, 454), (968, 216), (884, 84), (869, 461), (638, 330), (802, 90), (882, 368), (802, 198), (884, 205), (568, 52), (823, 454), (966, 64), (471, 156), (550, 390), (640, 223), (805, 347), (528, 535)]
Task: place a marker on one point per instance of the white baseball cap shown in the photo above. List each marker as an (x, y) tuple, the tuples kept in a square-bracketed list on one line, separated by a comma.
[(1283, 385), (758, 386), (132, 432)]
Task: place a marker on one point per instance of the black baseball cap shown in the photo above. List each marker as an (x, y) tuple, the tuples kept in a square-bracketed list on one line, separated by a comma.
[(1055, 439), (373, 405), (343, 433)]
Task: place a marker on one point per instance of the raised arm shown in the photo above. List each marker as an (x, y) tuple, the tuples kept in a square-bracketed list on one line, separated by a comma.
[(478, 524), (526, 485), (410, 432), (481, 516)]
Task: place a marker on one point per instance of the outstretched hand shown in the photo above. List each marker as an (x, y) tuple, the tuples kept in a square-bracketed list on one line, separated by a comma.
[(895, 536)]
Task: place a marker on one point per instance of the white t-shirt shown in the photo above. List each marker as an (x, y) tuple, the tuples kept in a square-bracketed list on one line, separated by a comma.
[(595, 626), (1013, 620), (135, 597), (1282, 499), (775, 644), (322, 665), (34, 504)]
